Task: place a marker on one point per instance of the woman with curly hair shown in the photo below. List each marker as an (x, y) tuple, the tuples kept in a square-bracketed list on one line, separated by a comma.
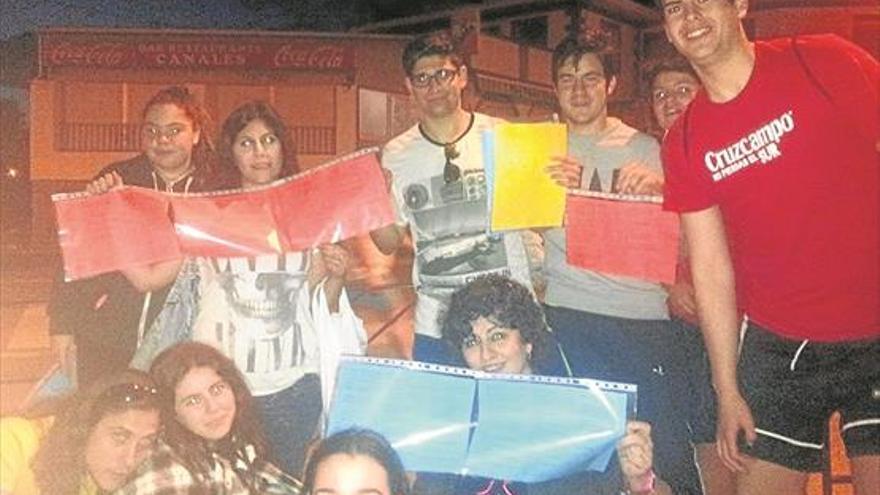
[(497, 326), (94, 443), (213, 440)]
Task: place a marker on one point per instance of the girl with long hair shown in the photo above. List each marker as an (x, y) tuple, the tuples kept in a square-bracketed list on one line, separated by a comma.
[(213, 440), (94, 442), (280, 317), (103, 315)]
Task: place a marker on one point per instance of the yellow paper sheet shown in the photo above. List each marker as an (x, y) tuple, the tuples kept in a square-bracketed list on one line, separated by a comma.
[(523, 194)]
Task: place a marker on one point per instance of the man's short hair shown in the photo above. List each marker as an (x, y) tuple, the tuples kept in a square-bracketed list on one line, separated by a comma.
[(671, 63), (440, 43), (575, 47)]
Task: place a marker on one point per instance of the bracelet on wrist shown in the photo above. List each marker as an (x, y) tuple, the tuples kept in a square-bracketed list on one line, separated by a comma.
[(645, 485)]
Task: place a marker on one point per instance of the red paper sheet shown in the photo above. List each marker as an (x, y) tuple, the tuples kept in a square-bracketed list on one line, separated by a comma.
[(132, 226), (624, 238), (227, 225), (335, 202), (125, 227)]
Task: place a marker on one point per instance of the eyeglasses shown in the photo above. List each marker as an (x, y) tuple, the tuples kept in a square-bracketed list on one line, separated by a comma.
[(451, 172), (440, 76), (154, 133), (680, 92)]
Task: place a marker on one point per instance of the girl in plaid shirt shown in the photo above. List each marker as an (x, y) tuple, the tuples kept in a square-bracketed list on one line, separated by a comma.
[(213, 440)]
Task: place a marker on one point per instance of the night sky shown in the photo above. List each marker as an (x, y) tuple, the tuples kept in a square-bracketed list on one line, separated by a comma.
[(18, 16)]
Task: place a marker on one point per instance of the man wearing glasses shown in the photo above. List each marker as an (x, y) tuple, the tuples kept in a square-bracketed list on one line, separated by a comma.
[(774, 169), (439, 187), (608, 325)]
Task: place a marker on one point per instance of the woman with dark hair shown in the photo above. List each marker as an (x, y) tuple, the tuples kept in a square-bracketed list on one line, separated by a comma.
[(103, 315), (213, 441), (233, 168), (94, 444), (272, 314), (497, 326), (354, 462)]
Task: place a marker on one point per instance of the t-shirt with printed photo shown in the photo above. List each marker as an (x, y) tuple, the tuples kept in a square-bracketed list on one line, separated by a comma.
[(449, 221)]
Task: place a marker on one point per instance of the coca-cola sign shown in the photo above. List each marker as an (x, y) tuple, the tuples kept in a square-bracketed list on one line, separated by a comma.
[(198, 52), (89, 54), (319, 57)]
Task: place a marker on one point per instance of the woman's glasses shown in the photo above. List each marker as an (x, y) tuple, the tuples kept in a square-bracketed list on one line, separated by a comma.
[(155, 133), (451, 172)]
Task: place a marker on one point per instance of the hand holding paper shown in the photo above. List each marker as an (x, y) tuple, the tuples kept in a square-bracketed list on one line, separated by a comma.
[(566, 171), (454, 420), (131, 226)]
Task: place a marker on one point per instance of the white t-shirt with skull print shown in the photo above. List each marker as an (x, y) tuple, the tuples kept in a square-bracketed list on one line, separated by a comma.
[(256, 311)]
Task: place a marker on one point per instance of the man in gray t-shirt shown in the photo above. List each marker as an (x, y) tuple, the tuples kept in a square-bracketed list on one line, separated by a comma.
[(609, 326)]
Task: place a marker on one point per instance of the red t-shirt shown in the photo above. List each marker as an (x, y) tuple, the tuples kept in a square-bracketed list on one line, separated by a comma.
[(791, 163)]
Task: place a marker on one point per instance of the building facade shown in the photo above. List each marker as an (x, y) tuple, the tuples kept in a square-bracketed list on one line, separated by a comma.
[(86, 88)]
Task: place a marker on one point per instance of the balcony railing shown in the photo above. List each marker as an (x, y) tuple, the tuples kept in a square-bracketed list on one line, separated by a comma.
[(509, 90), (97, 137), (75, 136)]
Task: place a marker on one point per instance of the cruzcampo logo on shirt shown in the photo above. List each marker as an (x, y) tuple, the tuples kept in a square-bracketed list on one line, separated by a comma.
[(759, 146)]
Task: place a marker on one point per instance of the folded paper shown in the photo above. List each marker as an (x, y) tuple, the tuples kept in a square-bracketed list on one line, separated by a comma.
[(454, 420), (131, 226)]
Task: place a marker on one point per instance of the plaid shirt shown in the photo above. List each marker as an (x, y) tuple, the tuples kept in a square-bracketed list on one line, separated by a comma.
[(165, 474)]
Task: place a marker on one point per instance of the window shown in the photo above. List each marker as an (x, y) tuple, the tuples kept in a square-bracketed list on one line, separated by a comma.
[(531, 31), (382, 116)]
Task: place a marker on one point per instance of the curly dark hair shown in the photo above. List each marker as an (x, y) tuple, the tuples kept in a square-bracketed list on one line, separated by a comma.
[(203, 154), (60, 463), (501, 300), (575, 47), (168, 369), (359, 442), (238, 120), (440, 43)]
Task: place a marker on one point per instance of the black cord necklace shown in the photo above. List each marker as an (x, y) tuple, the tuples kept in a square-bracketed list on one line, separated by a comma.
[(451, 171)]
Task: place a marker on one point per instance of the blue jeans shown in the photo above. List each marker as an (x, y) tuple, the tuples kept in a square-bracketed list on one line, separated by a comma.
[(640, 352), (290, 420)]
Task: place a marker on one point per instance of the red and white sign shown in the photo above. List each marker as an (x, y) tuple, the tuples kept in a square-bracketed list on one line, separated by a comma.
[(201, 52)]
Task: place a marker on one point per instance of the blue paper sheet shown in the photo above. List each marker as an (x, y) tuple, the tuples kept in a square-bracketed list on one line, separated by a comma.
[(453, 420), (489, 163), (427, 428)]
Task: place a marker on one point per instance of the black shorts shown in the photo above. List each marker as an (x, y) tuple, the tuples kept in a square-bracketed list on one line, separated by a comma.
[(793, 387), (691, 381)]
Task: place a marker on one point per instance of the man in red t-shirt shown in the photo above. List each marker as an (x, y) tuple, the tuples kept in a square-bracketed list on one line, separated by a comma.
[(774, 168)]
